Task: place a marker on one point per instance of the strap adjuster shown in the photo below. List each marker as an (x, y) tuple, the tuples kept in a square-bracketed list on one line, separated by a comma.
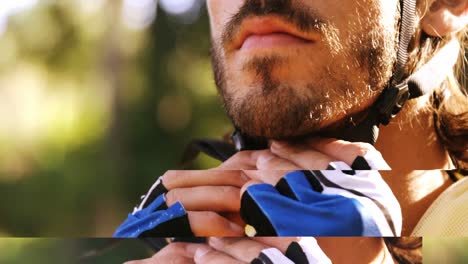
[(244, 142), (392, 101)]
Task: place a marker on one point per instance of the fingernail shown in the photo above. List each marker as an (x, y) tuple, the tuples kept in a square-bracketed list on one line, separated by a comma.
[(278, 145), (201, 252), (255, 154), (237, 229), (216, 242), (192, 248), (264, 158)]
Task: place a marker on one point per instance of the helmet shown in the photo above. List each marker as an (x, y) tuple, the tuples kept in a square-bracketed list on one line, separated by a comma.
[(393, 98)]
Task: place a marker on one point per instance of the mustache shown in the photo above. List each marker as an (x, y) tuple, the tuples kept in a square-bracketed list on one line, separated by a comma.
[(298, 14)]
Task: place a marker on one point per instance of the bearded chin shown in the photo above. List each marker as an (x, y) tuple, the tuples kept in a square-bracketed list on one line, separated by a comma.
[(272, 108), (268, 106), (279, 114)]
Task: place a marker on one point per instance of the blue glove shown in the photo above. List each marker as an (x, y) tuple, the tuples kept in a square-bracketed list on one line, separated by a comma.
[(152, 218), (323, 203)]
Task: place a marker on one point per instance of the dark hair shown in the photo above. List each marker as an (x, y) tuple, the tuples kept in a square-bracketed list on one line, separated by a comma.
[(449, 103), (405, 250)]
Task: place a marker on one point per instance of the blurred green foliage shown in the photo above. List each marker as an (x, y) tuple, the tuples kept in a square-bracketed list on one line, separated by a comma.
[(72, 251), (449, 250), (91, 112)]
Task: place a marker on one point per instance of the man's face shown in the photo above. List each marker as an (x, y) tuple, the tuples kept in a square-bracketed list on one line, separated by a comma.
[(287, 68)]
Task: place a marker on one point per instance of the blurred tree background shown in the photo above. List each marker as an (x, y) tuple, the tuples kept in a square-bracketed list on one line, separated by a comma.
[(97, 99), (448, 250), (72, 251)]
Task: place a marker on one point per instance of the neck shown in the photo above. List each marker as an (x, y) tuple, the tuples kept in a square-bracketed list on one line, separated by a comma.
[(355, 250), (410, 143)]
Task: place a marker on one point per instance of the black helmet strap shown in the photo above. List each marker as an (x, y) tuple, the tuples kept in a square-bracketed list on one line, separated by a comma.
[(394, 97), (390, 102)]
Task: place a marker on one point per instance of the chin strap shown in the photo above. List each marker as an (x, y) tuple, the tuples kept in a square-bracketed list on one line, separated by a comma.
[(392, 100), (395, 96), (388, 105), (400, 90)]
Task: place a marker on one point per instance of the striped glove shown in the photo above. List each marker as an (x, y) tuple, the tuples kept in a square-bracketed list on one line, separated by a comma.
[(335, 202)]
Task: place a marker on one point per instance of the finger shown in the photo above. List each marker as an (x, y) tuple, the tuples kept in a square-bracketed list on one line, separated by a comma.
[(163, 260), (186, 250), (242, 160), (302, 156), (183, 179), (141, 261), (206, 198), (233, 217), (266, 176), (205, 224), (242, 249), (348, 152), (269, 161), (209, 256), (281, 243)]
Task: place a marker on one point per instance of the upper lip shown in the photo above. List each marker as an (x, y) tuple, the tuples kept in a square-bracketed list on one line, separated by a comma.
[(264, 26)]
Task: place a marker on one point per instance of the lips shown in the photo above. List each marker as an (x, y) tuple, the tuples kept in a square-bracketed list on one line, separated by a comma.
[(270, 40), (268, 32)]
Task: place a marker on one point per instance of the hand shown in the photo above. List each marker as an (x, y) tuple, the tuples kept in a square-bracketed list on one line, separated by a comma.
[(239, 250), (339, 201), (261, 250), (210, 196), (313, 154), (181, 203), (177, 253), (243, 160), (317, 153)]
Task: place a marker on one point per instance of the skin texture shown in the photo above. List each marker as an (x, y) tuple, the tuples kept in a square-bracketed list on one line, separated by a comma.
[(322, 82), (286, 91), (445, 17), (241, 250)]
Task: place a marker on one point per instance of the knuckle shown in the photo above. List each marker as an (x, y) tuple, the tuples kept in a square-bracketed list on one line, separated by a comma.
[(241, 155), (178, 260), (228, 190), (267, 164), (208, 258), (211, 216), (292, 150), (172, 247), (254, 252), (361, 149), (215, 220), (320, 164), (172, 196)]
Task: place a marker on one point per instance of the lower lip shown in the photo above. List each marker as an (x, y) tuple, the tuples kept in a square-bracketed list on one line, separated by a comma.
[(271, 41)]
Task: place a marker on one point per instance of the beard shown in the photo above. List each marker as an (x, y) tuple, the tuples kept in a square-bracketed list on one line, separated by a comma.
[(275, 105)]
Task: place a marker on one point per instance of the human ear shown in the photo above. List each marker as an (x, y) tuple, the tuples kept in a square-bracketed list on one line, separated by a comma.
[(445, 17)]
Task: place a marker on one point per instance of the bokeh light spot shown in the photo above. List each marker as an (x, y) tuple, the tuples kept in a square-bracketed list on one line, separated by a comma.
[(138, 14), (177, 7)]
